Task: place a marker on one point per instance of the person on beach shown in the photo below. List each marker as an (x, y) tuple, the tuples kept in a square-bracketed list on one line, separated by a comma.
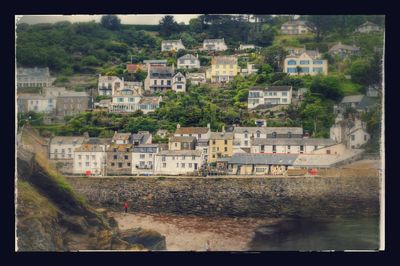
[(126, 207)]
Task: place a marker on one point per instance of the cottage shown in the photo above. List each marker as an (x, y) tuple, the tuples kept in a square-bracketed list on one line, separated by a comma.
[(261, 164), (34, 77), (368, 27), (360, 103), (108, 85), (196, 78), (72, 102), (182, 143), (172, 45), (269, 96), (63, 147), (223, 69), (200, 133), (90, 159), (159, 79), (214, 45), (121, 138), (179, 83), (351, 133), (289, 145), (220, 145), (343, 50), (119, 156), (307, 63), (295, 27), (178, 162), (143, 159), (188, 61)]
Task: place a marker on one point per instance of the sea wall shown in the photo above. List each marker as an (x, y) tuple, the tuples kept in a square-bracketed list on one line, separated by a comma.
[(254, 197)]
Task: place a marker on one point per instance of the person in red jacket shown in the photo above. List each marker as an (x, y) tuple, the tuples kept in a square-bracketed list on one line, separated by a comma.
[(126, 207)]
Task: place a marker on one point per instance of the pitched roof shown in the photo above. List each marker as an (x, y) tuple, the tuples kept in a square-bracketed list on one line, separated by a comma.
[(221, 135), (150, 100), (213, 40), (120, 147), (100, 141), (224, 60), (241, 130), (284, 130), (182, 139), (340, 46), (180, 152), (67, 140), (353, 98), (90, 148), (192, 130), (161, 72), (107, 78), (74, 94), (188, 56), (368, 23), (121, 136), (294, 141), (155, 61), (272, 159)]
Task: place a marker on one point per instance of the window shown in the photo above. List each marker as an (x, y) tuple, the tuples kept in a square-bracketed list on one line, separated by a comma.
[(284, 93), (143, 155), (365, 137), (274, 134), (63, 151), (304, 62), (164, 165), (246, 143), (291, 62), (179, 86), (120, 99), (168, 82), (274, 148), (115, 150), (162, 82), (190, 165), (119, 165), (318, 62), (183, 157), (226, 149), (246, 135), (115, 157), (328, 151), (176, 144), (226, 142), (126, 157), (195, 166), (69, 149), (353, 137), (177, 165), (213, 155), (87, 164), (127, 149), (317, 69), (260, 170), (193, 158), (305, 70), (163, 158), (130, 99), (112, 164), (155, 82), (150, 155), (213, 142), (80, 164), (284, 100), (183, 165), (289, 134), (262, 148), (258, 134), (301, 148)]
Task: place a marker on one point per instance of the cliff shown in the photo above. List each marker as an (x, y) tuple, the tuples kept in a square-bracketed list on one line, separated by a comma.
[(52, 217)]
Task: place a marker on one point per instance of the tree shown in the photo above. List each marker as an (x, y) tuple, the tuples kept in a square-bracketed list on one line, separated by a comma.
[(274, 56), (111, 22), (328, 87), (321, 24), (168, 26)]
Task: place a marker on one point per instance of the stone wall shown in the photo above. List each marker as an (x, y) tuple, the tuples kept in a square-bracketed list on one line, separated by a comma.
[(255, 197)]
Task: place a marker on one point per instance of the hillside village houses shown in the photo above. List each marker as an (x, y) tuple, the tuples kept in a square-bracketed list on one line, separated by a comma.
[(130, 100), (308, 63), (134, 68), (214, 45), (223, 69), (34, 77), (343, 50), (172, 45), (360, 103), (368, 27), (63, 147), (175, 162), (144, 159), (295, 27), (108, 85), (196, 78), (182, 143), (90, 159), (352, 133), (179, 82), (289, 145), (269, 96), (188, 61), (250, 69), (162, 78), (221, 145), (295, 51), (73, 102)]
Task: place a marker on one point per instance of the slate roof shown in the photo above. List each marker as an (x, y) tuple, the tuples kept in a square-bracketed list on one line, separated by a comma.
[(294, 141), (353, 98), (150, 100), (180, 152), (268, 130), (100, 141), (241, 130), (340, 46), (224, 60), (161, 72), (271, 159), (90, 148), (67, 140), (121, 136), (34, 72), (188, 56), (192, 130), (221, 135), (120, 147), (182, 139)]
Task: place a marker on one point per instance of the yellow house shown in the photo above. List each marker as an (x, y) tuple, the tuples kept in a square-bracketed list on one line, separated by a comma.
[(220, 145), (308, 63), (223, 69)]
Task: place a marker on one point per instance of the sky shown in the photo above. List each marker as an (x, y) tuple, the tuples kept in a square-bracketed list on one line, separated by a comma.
[(125, 19)]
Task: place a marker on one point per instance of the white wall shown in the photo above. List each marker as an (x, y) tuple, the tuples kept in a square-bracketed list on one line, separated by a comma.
[(172, 165), (96, 161)]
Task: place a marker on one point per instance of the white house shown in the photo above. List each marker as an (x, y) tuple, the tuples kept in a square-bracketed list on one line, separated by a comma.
[(247, 46), (368, 27), (351, 133), (36, 103), (63, 147), (188, 61), (178, 162), (90, 159), (357, 137), (200, 133), (289, 145), (305, 64), (179, 82), (108, 85), (125, 101), (34, 77), (266, 96), (214, 45), (172, 45), (159, 79), (196, 78), (144, 159), (149, 104), (295, 27)]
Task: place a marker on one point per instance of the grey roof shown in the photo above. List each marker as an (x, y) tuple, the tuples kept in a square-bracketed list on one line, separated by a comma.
[(272, 159), (67, 140), (155, 61), (241, 130), (294, 141), (146, 148), (98, 141), (182, 139), (180, 152), (340, 46), (188, 56), (34, 72), (221, 135), (353, 98), (269, 130), (142, 137), (150, 100), (367, 102), (121, 136), (161, 72), (224, 60), (272, 88), (33, 96)]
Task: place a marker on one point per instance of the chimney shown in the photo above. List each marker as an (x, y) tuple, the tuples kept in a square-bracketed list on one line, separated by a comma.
[(208, 125), (223, 129), (178, 126)]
